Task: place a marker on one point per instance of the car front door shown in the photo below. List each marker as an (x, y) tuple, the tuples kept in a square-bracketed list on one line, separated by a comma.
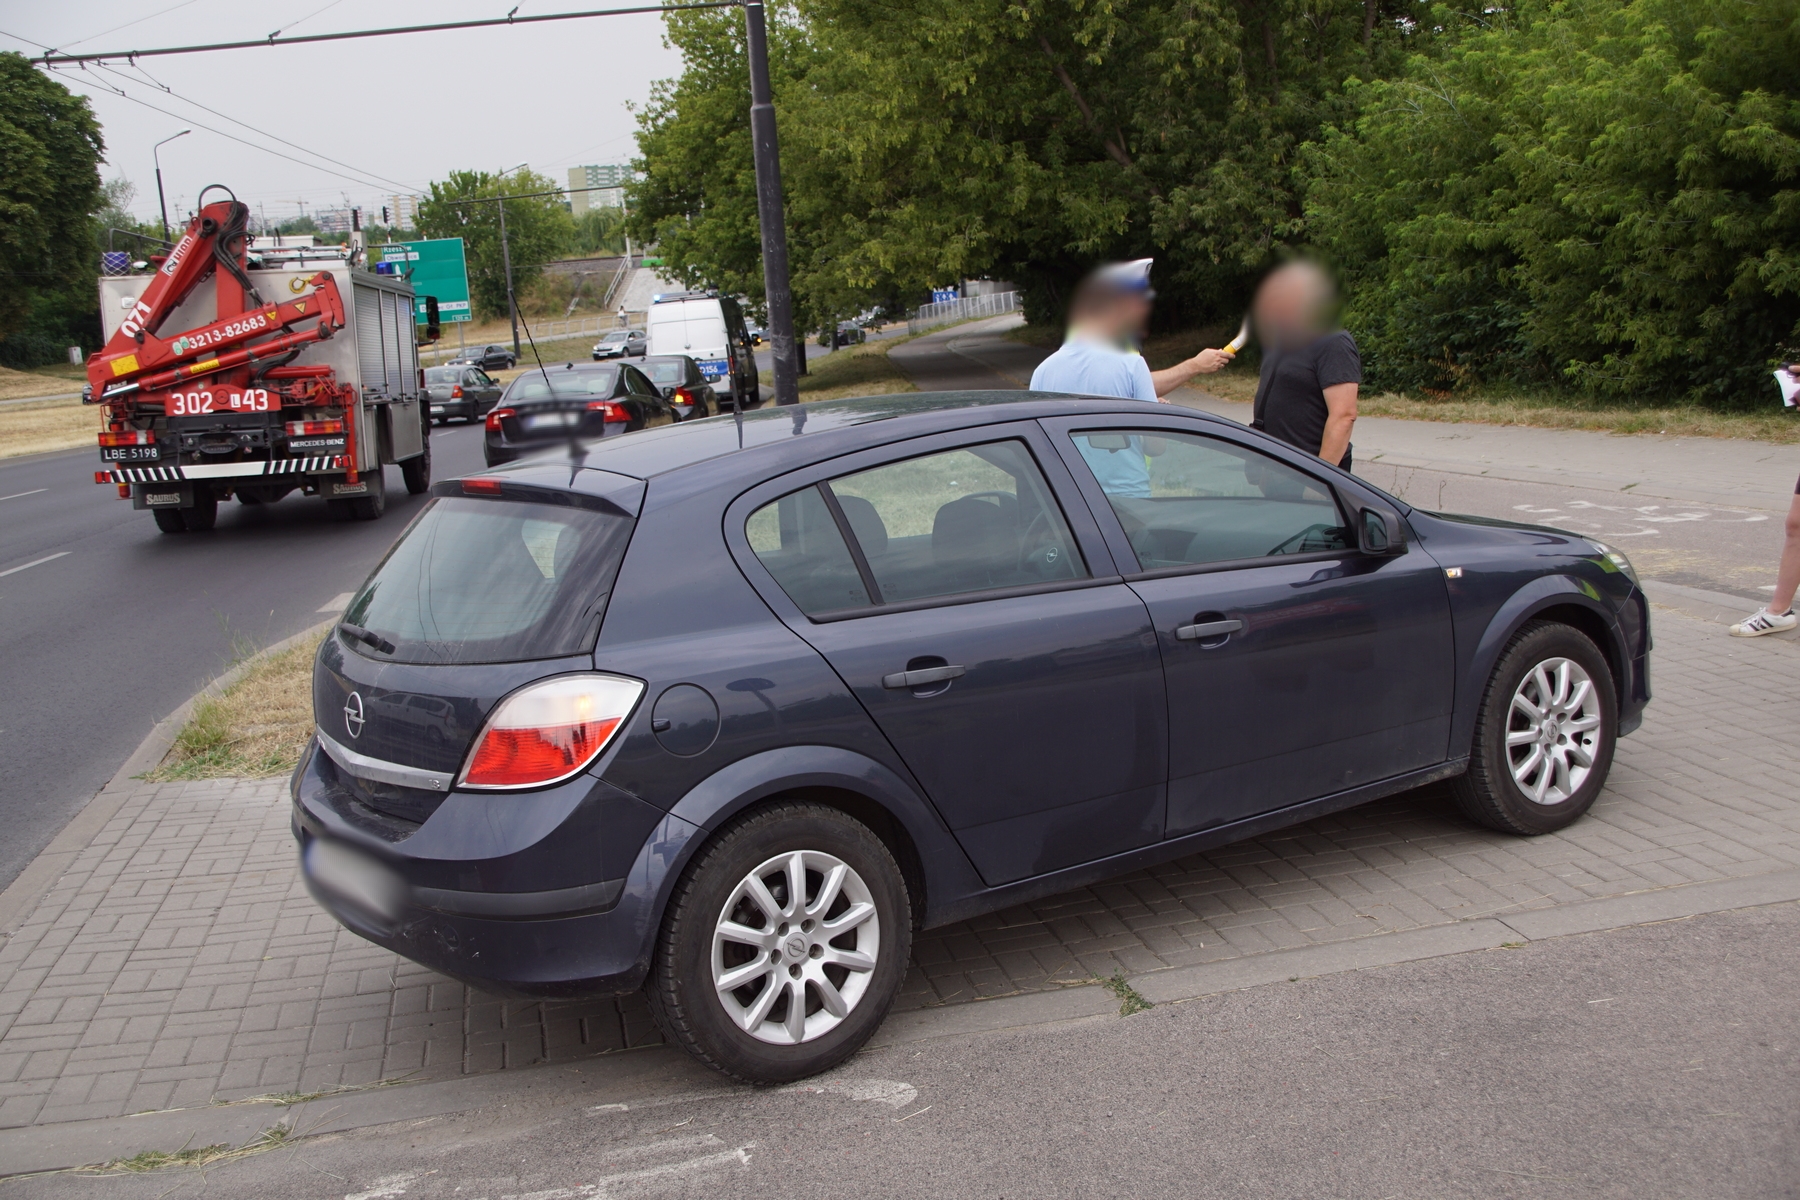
[(1297, 665), (1010, 667)]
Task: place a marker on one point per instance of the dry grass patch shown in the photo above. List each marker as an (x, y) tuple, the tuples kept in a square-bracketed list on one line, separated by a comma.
[(45, 381), (273, 1138), (864, 370), (256, 727), (52, 425)]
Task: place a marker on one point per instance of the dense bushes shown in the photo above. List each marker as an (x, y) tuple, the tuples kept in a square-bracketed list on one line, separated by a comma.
[(1597, 194)]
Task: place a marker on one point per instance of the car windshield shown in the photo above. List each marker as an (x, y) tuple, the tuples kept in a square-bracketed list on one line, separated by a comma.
[(442, 375), (666, 372), (562, 385), (614, 338), (493, 581)]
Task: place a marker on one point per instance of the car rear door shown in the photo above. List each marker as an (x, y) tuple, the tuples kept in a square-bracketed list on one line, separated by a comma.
[(981, 624), (1297, 666)]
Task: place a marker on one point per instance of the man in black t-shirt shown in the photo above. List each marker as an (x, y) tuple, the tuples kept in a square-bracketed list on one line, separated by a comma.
[(1306, 395)]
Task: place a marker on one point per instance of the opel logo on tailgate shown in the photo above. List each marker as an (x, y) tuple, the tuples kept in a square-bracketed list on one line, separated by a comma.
[(353, 715)]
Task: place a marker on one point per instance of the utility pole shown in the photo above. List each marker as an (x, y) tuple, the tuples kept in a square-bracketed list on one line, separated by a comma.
[(769, 211), (512, 305)]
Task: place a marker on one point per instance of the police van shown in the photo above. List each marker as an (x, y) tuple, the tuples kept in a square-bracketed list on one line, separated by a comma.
[(709, 329)]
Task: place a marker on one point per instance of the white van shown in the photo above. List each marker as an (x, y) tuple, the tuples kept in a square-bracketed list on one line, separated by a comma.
[(709, 329)]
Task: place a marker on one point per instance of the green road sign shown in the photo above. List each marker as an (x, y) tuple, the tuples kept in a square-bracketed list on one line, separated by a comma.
[(434, 268)]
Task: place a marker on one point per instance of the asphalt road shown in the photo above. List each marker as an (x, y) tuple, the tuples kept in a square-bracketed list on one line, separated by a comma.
[(107, 625), (1660, 1061)]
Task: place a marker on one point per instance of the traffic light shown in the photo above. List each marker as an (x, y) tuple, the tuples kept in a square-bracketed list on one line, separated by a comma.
[(384, 215)]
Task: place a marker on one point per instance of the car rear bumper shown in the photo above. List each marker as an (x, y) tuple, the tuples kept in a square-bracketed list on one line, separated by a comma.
[(409, 891)]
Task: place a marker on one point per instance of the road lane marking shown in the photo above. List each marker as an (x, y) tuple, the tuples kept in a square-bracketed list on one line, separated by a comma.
[(337, 603), (32, 492), (34, 563)]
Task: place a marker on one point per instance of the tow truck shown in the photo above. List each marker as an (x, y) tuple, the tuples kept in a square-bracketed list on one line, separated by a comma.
[(296, 369)]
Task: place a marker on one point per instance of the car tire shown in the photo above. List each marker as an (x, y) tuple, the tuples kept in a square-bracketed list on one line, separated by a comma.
[(169, 520), (754, 1039), (1553, 683), (203, 515)]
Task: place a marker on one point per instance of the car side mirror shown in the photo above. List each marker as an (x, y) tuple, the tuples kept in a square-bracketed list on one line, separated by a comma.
[(1380, 533), (668, 393)]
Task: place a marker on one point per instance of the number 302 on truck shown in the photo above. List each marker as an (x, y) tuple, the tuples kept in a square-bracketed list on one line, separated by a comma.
[(231, 370)]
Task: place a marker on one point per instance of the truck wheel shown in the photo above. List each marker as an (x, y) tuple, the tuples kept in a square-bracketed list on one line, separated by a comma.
[(203, 516), (417, 471), (367, 507), (169, 520), (783, 945), (1544, 735)]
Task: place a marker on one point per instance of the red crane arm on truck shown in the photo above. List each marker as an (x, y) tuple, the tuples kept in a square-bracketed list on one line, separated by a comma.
[(137, 359)]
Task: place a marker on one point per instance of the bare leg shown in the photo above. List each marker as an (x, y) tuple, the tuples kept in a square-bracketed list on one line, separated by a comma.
[(1787, 580)]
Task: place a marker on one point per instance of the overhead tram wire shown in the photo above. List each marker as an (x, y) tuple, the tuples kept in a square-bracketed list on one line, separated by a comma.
[(160, 85), (120, 92), (53, 59)]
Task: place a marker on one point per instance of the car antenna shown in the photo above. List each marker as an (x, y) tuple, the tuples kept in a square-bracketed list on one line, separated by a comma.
[(577, 452)]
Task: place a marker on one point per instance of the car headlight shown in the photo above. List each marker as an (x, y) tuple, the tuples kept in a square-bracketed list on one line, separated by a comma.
[(1616, 558)]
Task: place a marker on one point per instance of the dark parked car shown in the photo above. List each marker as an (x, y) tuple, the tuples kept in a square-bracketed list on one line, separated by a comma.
[(488, 358), (847, 333), (683, 385), (572, 401), (465, 392), (622, 343), (736, 706)]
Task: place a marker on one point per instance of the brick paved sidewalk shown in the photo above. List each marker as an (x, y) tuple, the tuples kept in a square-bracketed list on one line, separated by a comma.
[(180, 960)]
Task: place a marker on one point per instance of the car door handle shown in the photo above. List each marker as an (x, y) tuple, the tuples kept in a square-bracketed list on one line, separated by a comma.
[(913, 679), (1207, 629)]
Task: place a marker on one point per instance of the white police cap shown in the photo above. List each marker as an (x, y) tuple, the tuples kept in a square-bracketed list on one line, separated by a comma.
[(1133, 276)]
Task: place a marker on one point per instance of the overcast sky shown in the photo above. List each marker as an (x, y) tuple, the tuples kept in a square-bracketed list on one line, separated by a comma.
[(396, 112)]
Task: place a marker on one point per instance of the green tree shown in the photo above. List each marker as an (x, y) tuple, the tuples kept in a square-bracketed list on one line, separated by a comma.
[(538, 228), (1016, 138), (1600, 193), (50, 149), (599, 230)]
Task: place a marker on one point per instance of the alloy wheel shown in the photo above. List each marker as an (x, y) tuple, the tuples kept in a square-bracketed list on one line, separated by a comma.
[(795, 947), (1553, 731)]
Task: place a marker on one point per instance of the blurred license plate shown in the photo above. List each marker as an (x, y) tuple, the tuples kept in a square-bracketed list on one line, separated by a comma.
[(549, 421)]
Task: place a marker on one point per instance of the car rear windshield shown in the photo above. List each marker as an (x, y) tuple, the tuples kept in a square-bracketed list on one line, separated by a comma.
[(476, 581), (442, 375), (563, 385), (665, 372)]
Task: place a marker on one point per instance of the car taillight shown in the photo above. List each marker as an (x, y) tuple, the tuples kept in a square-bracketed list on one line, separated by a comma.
[(127, 437), (456, 391), (608, 410), (683, 396), (493, 418), (548, 731), (303, 428), (481, 487)]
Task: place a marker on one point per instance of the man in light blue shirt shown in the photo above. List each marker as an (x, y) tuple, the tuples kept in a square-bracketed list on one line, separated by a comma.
[(1099, 358)]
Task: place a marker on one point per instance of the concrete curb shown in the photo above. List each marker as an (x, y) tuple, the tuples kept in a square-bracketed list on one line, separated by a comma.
[(643, 1075), (41, 874)]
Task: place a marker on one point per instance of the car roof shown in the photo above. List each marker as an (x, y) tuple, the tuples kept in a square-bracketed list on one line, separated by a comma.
[(771, 441)]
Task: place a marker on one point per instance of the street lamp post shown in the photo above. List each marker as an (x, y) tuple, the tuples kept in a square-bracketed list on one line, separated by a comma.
[(160, 203), (769, 212), (512, 306)]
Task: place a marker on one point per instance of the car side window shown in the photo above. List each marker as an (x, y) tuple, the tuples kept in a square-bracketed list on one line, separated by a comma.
[(1185, 499), (964, 520), (797, 539)]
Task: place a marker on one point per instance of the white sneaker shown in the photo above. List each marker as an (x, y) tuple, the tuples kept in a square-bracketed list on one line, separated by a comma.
[(1763, 621)]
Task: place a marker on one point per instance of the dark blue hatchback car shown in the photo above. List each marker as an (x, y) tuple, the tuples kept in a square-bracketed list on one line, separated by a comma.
[(726, 710)]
